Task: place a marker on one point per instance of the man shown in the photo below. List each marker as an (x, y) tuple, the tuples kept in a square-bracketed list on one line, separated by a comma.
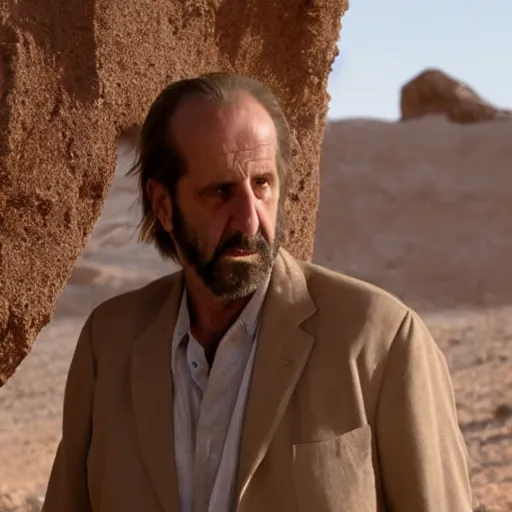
[(248, 381)]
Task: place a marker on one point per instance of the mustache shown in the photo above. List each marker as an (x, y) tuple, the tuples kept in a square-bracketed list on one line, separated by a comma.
[(242, 242)]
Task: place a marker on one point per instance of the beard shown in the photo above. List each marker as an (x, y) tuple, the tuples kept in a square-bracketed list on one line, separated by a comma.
[(229, 278)]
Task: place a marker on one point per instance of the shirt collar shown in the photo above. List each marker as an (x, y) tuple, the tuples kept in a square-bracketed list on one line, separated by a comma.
[(249, 316)]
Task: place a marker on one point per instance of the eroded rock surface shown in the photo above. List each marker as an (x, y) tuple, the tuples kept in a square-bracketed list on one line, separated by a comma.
[(433, 92), (75, 76)]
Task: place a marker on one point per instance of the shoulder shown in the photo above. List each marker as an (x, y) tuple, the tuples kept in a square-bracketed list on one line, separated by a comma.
[(342, 294), (128, 314), (357, 319), (373, 319), (149, 296)]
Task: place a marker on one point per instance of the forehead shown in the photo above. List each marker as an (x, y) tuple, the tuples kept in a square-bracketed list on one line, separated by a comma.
[(237, 132)]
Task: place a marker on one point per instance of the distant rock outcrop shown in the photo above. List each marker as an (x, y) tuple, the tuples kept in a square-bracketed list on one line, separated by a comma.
[(73, 76), (433, 92)]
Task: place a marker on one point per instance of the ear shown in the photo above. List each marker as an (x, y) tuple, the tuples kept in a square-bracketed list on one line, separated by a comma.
[(161, 203)]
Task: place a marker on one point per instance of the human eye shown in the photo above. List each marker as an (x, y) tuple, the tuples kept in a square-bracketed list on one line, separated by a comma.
[(216, 191), (222, 189), (262, 181)]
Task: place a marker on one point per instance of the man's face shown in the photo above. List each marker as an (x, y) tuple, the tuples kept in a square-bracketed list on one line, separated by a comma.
[(225, 216)]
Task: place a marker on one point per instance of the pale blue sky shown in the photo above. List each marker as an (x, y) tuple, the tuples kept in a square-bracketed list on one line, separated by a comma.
[(384, 43)]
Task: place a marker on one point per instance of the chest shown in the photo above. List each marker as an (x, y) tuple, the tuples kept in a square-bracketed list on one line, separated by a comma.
[(318, 453), (322, 456)]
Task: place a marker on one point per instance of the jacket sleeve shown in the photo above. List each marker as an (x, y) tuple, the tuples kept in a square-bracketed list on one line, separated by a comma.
[(421, 451), (67, 488)]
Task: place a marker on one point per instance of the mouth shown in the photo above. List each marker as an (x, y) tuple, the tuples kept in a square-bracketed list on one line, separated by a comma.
[(239, 253)]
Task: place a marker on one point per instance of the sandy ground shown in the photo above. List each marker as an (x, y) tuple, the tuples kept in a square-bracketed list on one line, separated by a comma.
[(423, 209)]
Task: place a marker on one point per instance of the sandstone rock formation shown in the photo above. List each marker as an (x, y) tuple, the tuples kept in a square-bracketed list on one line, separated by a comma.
[(433, 92), (76, 75)]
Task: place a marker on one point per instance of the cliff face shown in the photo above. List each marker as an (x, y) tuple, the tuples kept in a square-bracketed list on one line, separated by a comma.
[(421, 208), (75, 76)]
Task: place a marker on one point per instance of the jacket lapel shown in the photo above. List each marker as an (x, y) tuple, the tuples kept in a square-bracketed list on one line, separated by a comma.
[(282, 352), (151, 386)]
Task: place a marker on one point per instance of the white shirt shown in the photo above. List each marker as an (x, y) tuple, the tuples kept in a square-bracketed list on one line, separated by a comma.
[(209, 407)]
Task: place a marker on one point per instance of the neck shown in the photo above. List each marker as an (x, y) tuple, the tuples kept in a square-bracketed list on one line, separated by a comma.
[(210, 317)]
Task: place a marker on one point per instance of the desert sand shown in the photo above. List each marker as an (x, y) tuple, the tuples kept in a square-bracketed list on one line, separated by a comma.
[(423, 209)]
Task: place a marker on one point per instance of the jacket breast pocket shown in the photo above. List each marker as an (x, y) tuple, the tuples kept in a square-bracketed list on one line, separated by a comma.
[(336, 475)]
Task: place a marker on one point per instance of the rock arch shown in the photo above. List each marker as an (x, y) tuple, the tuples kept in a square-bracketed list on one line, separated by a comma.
[(73, 77)]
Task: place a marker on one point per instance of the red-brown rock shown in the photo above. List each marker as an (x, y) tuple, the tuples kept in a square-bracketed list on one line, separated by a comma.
[(435, 93)]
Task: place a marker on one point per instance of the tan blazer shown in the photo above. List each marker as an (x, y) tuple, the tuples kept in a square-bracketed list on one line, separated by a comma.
[(350, 406)]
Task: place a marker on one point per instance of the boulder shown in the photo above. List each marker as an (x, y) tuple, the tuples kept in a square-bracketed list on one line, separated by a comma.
[(76, 75), (433, 92)]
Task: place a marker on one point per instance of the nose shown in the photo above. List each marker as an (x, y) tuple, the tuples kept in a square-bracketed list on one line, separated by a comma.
[(244, 215)]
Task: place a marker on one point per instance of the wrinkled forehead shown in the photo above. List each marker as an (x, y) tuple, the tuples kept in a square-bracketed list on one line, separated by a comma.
[(229, 134), (240, 157)]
